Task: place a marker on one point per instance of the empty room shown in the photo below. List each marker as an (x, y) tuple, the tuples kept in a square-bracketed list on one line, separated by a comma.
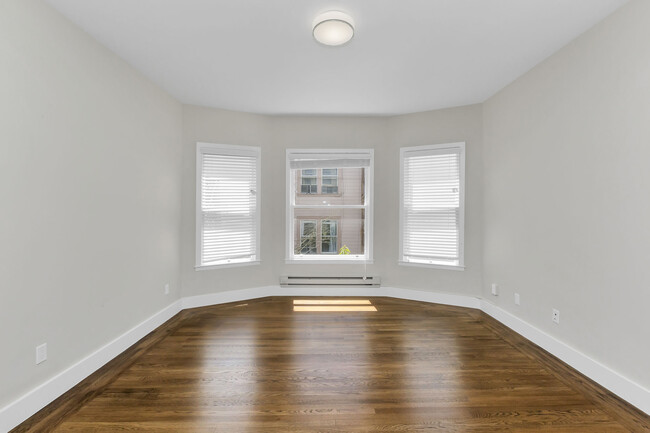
[(325, 216)]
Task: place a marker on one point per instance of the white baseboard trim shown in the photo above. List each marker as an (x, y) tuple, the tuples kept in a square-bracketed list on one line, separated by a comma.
[(36, 399), (434, 297), (225, 297), (27, 405), (620, 385), (261, 292)]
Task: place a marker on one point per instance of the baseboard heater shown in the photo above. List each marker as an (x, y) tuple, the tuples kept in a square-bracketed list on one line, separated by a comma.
[(330, 281)]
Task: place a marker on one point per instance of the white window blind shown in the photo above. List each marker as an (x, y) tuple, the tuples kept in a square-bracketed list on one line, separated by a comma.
[(228, 200), (432, 205), (326, 159)]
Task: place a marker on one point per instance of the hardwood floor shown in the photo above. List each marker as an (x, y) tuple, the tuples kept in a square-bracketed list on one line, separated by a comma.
[(258, 366)]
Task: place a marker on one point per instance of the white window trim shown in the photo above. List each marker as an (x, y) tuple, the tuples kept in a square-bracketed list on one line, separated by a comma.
[(461, 222), (369, 194), (201, 148)]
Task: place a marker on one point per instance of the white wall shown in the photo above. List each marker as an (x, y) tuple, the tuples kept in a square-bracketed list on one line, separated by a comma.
[(567, 188), (90, 192), (223, 127), (433, 127), (384, 134)]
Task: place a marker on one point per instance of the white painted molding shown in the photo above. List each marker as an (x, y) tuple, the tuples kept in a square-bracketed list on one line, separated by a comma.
[(225, 297), (27, 405), (620, 385), (19, 410), (260, 292), (434, 297)]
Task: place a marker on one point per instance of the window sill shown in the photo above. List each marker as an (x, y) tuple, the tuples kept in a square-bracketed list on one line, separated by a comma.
[(433, 266), (327, 262), (225, 265)]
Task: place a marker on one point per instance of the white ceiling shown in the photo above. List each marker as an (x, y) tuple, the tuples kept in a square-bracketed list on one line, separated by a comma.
[(406, 55)]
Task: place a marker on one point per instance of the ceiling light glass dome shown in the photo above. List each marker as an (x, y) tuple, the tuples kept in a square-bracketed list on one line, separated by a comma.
[(333, 28)]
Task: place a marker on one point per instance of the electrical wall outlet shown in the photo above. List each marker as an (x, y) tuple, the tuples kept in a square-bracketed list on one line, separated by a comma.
[(41, 353), (166, 288), (495, 289), (517, 299), (556, 316)]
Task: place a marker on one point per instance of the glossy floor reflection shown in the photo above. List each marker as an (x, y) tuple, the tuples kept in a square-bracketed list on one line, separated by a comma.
[(317, 301), (407, 367)]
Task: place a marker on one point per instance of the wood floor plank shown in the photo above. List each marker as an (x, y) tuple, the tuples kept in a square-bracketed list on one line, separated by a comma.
[(259, 366)]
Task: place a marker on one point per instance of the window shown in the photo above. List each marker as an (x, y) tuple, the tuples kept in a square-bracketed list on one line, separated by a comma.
[(318, 237), (308, 182), (329, 237), (330, 180), (332, 222), (227, 216), (307, 237), (432, 205), (328, 177)]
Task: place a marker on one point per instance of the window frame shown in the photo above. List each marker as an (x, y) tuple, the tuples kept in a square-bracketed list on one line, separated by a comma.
[(368, 207), (233, 150), (459, 146)]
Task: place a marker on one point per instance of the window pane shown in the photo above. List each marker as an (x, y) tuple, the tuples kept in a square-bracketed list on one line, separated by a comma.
[(330, 171), (308, 228), (329, 228), (329, 245)]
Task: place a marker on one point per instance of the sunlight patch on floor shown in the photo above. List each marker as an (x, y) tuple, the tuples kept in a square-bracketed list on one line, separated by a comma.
[(332, 305), (330, 308), (331, 302)]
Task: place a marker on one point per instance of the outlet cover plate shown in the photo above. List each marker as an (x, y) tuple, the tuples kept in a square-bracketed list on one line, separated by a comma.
[(41, 353)]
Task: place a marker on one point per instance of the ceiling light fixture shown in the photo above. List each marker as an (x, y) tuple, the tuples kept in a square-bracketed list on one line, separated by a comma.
[(333, 28)]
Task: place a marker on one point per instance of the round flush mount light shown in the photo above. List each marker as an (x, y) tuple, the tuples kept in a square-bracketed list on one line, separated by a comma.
[(333, 28)]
